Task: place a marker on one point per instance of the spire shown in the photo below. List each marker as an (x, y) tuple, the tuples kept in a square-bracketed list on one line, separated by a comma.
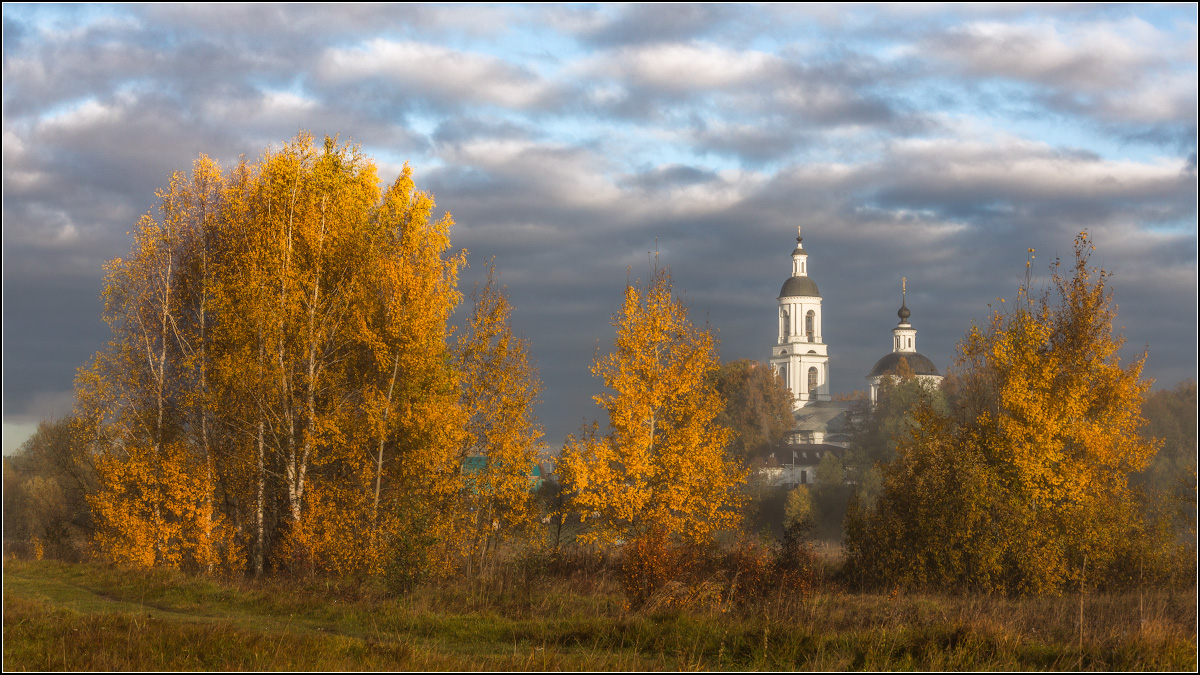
[(799, 256), (904, 335)]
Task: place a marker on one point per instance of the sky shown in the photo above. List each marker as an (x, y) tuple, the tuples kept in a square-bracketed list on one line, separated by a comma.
[(936, 143)]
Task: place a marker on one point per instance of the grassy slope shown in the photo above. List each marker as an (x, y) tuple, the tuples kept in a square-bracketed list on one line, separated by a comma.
[(85, 617)]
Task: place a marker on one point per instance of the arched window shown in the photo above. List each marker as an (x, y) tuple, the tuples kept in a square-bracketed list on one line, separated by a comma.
[(812, 382), (809, 319), (787, 327)]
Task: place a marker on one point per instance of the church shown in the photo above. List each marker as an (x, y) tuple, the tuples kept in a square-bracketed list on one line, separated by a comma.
[(800, 357)]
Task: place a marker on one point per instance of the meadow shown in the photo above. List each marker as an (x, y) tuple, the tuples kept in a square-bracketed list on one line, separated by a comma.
[(81, 616)]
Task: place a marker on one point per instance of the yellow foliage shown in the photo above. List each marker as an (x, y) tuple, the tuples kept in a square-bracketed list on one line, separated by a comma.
[(499, 388), (1067, 411), (662, 465), (1023, 486), (279, 385)]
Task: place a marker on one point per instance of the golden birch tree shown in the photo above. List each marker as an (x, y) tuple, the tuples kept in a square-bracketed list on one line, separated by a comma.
[(244, 371), (280, 369), (144, 397), (399, 483), (499, 388), (662, 467)]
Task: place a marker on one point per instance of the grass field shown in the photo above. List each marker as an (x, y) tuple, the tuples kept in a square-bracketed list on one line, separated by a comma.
[(60, 616)]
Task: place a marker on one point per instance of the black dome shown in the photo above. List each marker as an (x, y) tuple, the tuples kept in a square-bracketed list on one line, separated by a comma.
[(916, 362), (799, 286)]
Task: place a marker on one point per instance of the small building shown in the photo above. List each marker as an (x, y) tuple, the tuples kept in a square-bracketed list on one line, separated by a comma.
[(473, 465), (823, 422), (790, 464)]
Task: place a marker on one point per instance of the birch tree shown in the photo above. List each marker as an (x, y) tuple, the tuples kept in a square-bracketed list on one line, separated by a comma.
[(662, 466), (499, 388)]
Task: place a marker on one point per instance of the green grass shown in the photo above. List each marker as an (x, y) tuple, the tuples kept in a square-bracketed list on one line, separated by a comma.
[(61, 616)]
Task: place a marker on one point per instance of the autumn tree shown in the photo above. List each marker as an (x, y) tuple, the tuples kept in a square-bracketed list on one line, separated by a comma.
[(661, 467), (876, 430), (409, 415), (1171, 477), (1023, 486), (280, 389), (758, 407), (144, 398), (46, 485), (499, 388), (348, 392)]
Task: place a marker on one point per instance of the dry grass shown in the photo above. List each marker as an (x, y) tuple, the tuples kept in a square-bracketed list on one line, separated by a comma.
[(84, 617)]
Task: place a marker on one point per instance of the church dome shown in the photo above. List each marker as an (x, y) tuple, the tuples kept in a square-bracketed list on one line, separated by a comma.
[(799, 286), (918, 363)]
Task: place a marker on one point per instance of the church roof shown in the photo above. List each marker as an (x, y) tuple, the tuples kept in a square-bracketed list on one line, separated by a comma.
[(803, 286), (824, 416), (919, 364), (806, 454)]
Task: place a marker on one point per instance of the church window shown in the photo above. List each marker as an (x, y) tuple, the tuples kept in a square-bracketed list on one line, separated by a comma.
[(787, 329), (812, 382), (808, 324)]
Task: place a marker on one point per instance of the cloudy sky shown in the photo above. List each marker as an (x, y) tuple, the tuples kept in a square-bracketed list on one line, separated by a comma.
[(931, 142)]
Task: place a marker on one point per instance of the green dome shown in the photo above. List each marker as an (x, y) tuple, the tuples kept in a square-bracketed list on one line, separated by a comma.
[(799, 286)]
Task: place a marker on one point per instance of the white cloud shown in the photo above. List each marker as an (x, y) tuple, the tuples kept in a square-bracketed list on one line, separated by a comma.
[(685, 67), (1089, 56), (1123, 70), (88, 113), (1009, 166), (434, 71), (1166, 98)]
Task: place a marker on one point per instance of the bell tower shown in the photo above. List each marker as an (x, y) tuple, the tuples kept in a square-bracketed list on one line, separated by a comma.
[(800, 356)]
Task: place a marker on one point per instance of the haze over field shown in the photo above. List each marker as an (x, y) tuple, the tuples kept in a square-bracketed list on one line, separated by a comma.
[(934, 143)]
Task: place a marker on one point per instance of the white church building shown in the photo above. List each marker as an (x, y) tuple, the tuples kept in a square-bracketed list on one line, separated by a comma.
[(904, 348), (800, 357)]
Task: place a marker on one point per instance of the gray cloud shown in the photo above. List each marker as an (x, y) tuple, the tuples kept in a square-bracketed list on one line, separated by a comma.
[(570, 143), (654, 23)]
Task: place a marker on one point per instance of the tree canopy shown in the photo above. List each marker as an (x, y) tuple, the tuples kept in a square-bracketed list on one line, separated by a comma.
[(280, 391), (662, 466), (758, 407), (1022, 486)]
